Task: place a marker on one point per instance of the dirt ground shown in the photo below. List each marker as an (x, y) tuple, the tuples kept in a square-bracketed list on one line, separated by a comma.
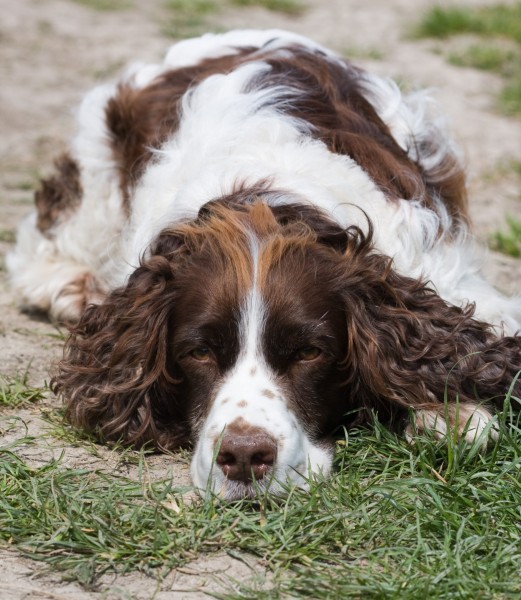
[(52, 51)]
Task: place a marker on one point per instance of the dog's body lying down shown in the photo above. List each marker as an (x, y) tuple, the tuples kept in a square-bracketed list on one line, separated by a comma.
[(261, 243)]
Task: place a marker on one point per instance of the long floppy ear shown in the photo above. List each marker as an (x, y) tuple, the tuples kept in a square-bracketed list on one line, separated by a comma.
[(408, 348), (115, 377)]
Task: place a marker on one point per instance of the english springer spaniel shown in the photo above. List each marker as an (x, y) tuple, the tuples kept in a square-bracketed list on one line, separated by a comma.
[(258, 243)]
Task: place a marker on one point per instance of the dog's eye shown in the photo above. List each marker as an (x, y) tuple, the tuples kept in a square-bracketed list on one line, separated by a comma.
[(308, 353), (202, 354)]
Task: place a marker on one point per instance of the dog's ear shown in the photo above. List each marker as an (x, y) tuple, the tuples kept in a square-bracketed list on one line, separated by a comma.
[(116, 378), (408, 348)]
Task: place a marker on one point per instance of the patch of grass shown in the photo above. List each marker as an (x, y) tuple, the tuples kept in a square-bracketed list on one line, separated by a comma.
[(510, 97), (504, 168), (516, 167), (500, 22), (15, 392), (189, 17), (486, 57), (363, 53), (443, 22), (192, 17), (8, 236), (58, 428), (508, 242), (22, 184), (193, 7), (105, 5), (395, 521), (291, 7)]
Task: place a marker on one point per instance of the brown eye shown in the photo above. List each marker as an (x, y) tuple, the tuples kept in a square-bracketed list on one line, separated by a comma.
[(309, 353), (201, 354)]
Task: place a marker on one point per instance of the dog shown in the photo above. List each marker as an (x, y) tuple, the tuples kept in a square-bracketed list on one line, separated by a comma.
[(256, 243)]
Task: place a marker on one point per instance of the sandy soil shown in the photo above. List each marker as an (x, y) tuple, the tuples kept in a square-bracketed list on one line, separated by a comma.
[(51, 51)]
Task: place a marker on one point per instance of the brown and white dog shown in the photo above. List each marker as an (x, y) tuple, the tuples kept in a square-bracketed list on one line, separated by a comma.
[(260, 243)]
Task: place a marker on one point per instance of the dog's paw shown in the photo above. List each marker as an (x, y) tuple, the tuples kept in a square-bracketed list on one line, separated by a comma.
[(470, 422)]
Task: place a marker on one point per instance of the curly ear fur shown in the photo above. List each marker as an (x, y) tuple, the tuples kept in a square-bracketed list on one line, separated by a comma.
[(408, 348), (115, 376)]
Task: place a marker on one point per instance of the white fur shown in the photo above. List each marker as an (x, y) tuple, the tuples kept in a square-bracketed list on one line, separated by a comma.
[(473, 423), (41, 267), (211, 45)]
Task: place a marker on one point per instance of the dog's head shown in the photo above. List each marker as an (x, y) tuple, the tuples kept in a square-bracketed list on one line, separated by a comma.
[(257, 330)]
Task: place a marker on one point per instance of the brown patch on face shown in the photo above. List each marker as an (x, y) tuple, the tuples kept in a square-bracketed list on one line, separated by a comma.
[(141, 119), (268, 394), (241, 427), (253, 370), (59, 195), (296, 231), (242, 404), (218, 244), (274, 228)]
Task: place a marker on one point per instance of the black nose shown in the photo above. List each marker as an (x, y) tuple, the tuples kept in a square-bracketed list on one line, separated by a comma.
[(246, 457)]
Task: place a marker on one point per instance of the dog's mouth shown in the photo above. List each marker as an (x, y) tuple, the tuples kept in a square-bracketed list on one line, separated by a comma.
[(231, 490), (255, 489)]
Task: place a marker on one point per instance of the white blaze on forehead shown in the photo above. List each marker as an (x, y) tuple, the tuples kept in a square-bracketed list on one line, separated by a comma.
[(251, 393), (252, 317)]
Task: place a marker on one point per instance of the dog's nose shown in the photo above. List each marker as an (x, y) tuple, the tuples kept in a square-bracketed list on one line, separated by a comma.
[(246, 457)]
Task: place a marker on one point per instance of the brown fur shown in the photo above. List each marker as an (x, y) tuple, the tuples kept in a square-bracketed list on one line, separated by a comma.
[(59, 194), (143, 118), (331, 99)]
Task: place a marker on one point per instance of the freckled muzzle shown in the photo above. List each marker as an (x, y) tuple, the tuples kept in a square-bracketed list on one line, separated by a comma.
[(245, 459)]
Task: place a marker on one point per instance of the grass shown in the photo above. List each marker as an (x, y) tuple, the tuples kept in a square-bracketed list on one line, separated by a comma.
[(14, 391), (191, 17), (360, 52), (8, 236), (486, 57), (495, 20), (105, 5), (500, 26), (508, 242), (290, 7), (394, 521), (515, 166)]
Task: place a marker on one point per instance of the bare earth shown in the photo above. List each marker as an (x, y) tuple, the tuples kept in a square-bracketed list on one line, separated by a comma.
[(52, 51)]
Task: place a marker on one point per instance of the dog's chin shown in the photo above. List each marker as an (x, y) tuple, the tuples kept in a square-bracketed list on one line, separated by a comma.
[(276, 485), (233, 491), (292, 472)]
